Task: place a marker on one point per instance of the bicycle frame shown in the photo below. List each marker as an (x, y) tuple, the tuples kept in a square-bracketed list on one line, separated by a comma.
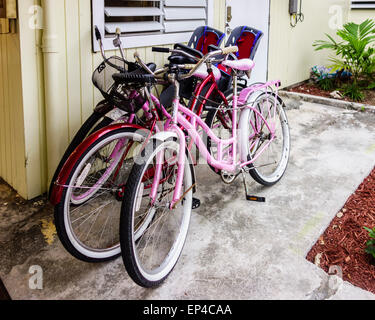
[(185, 119), (147, 108)]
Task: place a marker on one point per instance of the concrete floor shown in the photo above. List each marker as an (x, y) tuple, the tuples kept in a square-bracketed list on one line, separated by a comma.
[(235, 249)]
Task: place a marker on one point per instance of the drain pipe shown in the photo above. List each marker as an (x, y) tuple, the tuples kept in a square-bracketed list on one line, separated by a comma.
[(52, 48)]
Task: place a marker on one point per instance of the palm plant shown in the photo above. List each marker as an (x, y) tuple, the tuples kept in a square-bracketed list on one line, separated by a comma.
[(370, 249), (354, 52)]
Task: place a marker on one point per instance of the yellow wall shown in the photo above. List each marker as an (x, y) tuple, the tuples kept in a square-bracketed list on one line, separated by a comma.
[(22, 134), (358, 16), (291, 54), (33, 96), (77, 62), (12, 142), (30, 149)]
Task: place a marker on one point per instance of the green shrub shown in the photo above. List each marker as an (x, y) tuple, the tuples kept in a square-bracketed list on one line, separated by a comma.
[(370, 249), (354, 53), (326, 84), (371, 86), (354, 92)]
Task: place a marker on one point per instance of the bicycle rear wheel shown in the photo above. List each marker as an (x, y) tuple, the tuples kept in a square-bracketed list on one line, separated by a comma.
[(268, 139), (87, 217), (152, 236)]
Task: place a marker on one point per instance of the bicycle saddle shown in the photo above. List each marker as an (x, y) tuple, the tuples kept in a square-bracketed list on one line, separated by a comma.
[(152, 66), (242, 65)]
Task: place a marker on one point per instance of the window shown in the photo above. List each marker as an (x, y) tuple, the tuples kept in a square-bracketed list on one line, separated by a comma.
[(363, 4), (146, 23)]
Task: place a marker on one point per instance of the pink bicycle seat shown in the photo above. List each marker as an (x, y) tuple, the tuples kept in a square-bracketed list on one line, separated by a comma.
[(242, 64), (202, 73)]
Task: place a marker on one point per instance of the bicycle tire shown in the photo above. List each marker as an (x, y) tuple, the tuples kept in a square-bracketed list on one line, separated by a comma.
[(130, 238), (66, 234), (85, 130), (255, 168)]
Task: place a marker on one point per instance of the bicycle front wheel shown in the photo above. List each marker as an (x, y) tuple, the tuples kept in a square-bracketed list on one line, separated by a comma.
[(87, 217), (152, 235), (95, 122)]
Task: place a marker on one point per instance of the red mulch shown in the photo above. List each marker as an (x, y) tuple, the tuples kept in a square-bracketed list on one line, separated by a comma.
[(314, 90), (344, 242)]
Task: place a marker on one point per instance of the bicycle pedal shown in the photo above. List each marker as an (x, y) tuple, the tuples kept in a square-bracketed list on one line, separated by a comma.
[(255, 198), (196, 203)]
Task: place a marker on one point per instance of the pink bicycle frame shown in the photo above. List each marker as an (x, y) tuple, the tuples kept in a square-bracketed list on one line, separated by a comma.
[(188, 120)]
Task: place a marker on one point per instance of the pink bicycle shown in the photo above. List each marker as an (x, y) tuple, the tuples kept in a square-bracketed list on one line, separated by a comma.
[(156, 208), (88, 189)]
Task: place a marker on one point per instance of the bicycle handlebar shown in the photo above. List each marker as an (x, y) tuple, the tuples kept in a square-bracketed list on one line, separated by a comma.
[(208, 56), (158, 49), (192, 67), (228, 50), (97, 34), (98, 37), (164, 50)]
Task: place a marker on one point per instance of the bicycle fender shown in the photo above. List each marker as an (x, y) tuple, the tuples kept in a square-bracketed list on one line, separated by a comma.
[(251, 97), (243, 123), (165, 135), (248, 95), (63, 176), (103, 107)]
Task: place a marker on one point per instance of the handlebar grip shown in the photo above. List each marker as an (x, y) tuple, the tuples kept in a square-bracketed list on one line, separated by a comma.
[(189, 66), (164, 50), (228, 50), (97, 34), (118, 31)]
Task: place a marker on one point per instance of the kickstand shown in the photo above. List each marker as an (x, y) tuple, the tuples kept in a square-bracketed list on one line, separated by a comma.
[(249, 197)]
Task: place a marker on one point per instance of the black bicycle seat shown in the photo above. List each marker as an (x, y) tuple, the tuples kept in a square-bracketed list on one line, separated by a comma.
[(134, 67), (189, 50), (181, 59), (152, 66)]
